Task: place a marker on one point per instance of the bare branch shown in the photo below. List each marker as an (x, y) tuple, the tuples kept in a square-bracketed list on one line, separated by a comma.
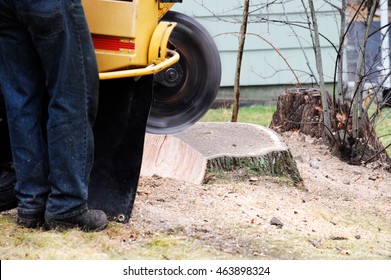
[(319, 66), (301, 46), (242, 39)]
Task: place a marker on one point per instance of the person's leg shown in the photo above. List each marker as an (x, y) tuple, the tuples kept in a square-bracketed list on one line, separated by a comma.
[(60, 33), (22, 82)]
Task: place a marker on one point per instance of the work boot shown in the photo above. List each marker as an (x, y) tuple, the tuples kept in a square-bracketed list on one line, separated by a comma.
[(89, 220), (31, 220)]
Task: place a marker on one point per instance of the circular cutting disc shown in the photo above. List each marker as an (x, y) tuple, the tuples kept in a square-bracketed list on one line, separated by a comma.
[(184, 92)]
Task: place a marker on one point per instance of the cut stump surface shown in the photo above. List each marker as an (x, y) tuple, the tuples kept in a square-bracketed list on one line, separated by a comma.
[(208, 146)]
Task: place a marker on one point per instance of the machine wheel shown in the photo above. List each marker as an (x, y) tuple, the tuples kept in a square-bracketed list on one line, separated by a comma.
[(184, 92)]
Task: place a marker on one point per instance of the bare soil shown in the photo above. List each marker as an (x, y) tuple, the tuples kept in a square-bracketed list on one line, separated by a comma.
[(345, 214)]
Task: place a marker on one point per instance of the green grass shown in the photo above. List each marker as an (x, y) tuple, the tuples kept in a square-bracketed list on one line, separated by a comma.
[(383, 128), (258, 114)]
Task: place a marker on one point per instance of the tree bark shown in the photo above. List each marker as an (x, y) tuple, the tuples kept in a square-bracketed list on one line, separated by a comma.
[(360, 73), (242, 39), (319, 66), (299, 110), (279, 163), (341, 50)]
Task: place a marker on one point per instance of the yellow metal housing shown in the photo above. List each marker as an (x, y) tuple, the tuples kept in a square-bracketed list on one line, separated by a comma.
[(163, 8), (159, 41), (111, 18), (127, 35)]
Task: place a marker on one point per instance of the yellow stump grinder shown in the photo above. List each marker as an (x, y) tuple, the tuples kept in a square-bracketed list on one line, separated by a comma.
[(159, 73)]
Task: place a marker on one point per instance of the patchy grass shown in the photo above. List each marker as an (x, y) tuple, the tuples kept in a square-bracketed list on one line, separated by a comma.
[(118, 241), (261, 115), (383, 128)]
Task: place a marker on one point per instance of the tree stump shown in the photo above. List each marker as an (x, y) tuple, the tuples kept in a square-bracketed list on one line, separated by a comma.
[(210, 147), (300, 110)]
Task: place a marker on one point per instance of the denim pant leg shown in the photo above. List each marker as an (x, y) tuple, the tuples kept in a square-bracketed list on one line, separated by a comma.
[(61, 37), (66, 50), (23, 83)]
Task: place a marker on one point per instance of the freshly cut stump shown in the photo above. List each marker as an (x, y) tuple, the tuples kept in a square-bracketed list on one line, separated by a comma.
[(209, 146)]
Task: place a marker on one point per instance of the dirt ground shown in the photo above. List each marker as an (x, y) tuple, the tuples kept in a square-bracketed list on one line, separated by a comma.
[(345, 214)]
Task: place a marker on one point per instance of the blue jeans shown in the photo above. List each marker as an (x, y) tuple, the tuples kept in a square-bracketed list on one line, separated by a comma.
[(45, 45)]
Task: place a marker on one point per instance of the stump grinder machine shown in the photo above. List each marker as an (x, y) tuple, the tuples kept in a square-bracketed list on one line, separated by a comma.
[(159, 72)]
